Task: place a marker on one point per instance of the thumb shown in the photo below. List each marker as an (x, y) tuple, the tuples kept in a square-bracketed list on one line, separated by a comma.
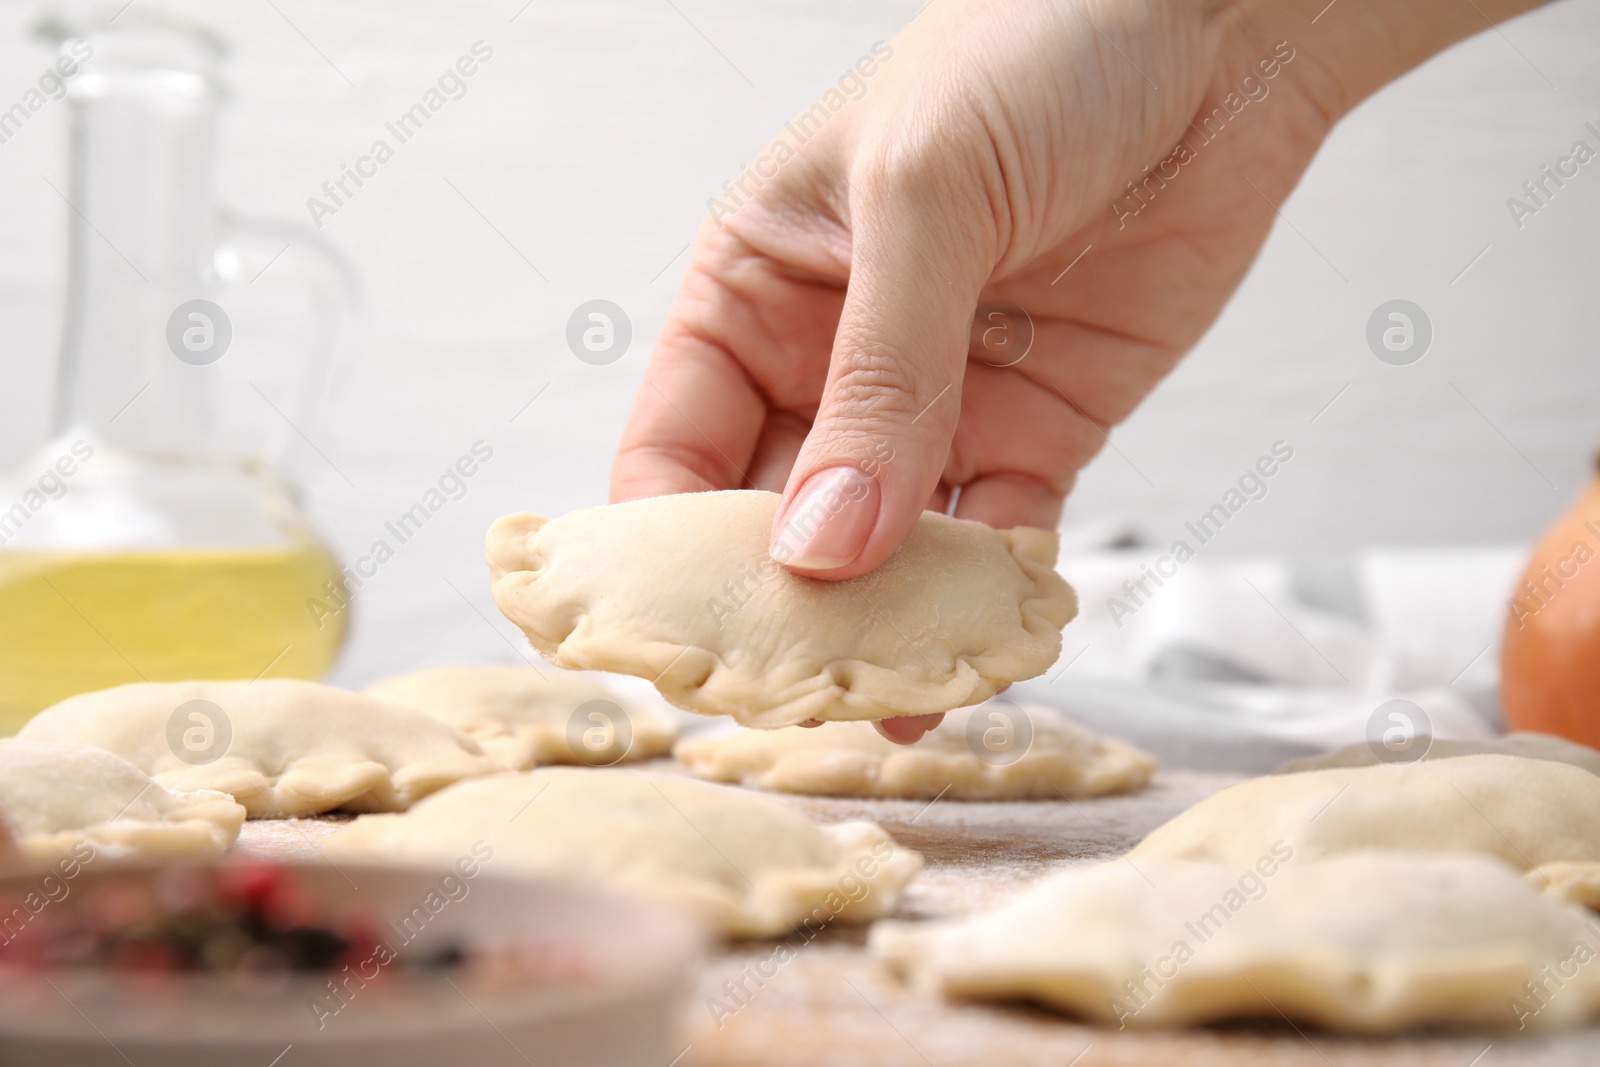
[(889, 408)]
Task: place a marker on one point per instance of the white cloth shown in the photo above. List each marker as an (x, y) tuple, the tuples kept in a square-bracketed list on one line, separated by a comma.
[(1302, 651)]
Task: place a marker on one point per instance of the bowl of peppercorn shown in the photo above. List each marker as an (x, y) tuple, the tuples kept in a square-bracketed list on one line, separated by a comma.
[(289, 965)]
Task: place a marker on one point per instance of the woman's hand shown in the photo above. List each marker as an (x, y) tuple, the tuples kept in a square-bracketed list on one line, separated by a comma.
[(1105, 170)]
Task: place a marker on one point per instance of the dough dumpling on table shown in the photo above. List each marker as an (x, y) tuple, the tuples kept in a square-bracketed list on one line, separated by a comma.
[(680, 590), (1526, 812), (994, 751), (54, 797), (1528, 744), (747, 865), (281, 747), (525, 717), (1365, 941)]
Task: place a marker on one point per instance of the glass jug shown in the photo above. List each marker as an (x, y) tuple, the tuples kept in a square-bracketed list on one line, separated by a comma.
[(159, 534)]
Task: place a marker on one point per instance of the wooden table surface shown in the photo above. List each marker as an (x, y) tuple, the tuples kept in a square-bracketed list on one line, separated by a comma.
[(831, 1004)]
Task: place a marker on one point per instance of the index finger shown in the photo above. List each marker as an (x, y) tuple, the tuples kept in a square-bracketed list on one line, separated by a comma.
[(696, 419), (740, 360)]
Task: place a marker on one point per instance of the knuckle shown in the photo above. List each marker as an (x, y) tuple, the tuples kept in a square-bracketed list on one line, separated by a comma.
[(913, 166), (937, 151), (877, 385)]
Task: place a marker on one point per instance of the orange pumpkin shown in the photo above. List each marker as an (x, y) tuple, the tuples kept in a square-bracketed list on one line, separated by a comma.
[(1550, 658)]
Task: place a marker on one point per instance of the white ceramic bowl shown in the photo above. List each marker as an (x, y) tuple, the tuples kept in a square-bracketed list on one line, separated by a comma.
[(642, 955)]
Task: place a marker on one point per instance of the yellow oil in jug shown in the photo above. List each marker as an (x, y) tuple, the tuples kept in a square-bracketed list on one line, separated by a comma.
[(71, 622)]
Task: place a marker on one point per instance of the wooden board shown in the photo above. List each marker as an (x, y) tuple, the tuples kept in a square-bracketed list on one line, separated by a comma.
[(831, 1004)]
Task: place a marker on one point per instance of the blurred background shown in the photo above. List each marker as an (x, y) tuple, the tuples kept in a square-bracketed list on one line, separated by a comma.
[(577, 166)]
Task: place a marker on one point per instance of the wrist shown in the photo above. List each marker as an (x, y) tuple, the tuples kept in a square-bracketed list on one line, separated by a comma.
[(1348, 49)]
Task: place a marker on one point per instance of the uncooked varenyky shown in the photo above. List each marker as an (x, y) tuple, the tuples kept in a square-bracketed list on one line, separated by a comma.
[(994, 751), (680, 590), (1526, 812), (281, 747), (748, 865), (525, 717), (1367, 941), (56, 796)]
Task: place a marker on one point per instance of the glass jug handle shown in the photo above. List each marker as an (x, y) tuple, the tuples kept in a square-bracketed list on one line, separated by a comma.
[(281, 265)]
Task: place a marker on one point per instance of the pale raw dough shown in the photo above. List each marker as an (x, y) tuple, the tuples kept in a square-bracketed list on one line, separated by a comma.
[(1571, 880), (680, 590), (1527, 812), (55, 796), (851, 759), (524, 717), (1368, 941), (297, 748), (1524, 743), (748, 865)]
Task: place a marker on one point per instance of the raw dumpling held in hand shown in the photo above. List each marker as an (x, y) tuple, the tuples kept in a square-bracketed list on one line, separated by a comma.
[(680, 590)]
